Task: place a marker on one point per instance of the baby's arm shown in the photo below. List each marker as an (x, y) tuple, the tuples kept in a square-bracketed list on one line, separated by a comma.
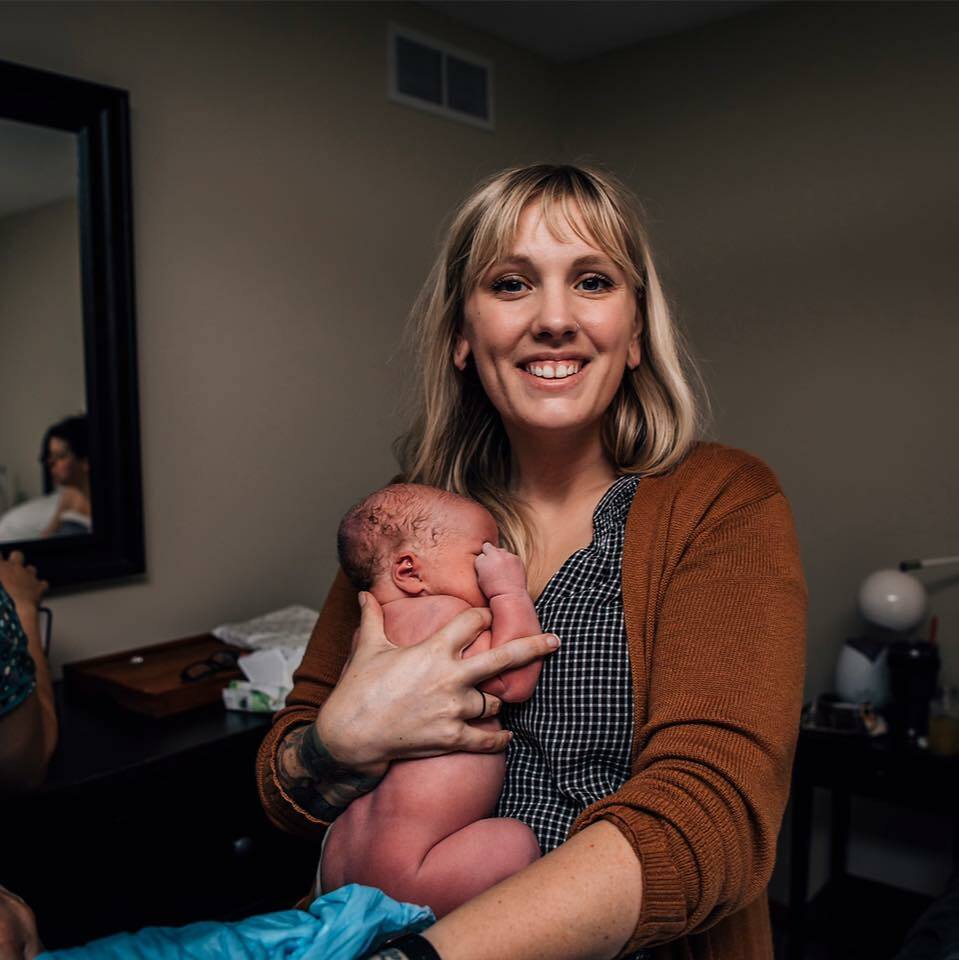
[(502, 578)]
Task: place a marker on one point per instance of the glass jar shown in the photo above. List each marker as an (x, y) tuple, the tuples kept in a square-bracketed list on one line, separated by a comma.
[(944, 723)]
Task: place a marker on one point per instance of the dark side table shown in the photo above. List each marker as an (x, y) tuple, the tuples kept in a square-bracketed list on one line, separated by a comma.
[(147, 822), (854, 916)]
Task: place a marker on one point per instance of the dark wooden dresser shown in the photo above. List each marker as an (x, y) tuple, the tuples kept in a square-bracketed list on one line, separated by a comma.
[(148, 822)]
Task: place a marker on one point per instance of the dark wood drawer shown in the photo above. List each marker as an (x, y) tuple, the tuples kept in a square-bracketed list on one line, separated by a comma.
[(171, 842)]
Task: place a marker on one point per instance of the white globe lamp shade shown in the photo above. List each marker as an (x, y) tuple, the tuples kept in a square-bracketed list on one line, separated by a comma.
[(892, 600)]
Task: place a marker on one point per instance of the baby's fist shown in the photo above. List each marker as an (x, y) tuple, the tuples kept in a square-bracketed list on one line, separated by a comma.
[(500, 572)]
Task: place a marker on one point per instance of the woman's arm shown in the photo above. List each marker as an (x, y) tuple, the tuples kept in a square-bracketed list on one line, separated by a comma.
[(315, 779), (579, 902), (725, 658), (51, 528), (28, 734)]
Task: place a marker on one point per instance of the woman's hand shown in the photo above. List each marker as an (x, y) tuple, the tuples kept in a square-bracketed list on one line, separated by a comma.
[(398, 703), (22, 583)]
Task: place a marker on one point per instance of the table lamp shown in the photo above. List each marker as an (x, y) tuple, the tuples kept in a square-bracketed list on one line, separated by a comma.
[(893, 600), (896, 601)]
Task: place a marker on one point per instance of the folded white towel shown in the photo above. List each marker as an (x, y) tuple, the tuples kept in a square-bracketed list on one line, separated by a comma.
[(289, 627)]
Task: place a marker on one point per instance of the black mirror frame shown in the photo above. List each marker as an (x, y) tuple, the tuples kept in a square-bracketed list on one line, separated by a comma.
[(100, 117)]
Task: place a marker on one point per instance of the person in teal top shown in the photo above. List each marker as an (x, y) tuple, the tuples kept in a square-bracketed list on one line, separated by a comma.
[(28, 723), (18, 675), (28, 719)]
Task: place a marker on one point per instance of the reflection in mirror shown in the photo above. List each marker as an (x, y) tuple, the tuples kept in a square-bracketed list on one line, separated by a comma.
[(44, 465), (90, 527)]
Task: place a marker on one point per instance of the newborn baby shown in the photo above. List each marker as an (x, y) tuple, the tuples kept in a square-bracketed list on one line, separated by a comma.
[(425, 834)]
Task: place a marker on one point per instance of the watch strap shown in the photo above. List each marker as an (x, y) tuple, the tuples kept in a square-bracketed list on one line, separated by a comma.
[(415, 947)]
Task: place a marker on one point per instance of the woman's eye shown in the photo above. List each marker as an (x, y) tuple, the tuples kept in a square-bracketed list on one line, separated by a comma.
[(508, 285), (595, 283)]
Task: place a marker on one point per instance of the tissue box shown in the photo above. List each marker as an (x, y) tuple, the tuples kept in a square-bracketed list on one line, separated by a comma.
[(269, 678), (251, 698)]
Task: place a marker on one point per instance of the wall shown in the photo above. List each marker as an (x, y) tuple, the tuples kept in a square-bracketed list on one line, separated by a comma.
[(285, 213), (799, 167), (41, 363)]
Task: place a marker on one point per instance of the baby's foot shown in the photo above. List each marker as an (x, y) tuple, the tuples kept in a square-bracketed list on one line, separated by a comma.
[(500, 572)]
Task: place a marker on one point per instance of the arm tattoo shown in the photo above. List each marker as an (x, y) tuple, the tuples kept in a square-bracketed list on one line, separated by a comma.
[(389, 953), (318, 783)]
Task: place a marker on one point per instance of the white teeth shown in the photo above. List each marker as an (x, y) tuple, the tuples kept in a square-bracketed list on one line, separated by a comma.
[(551, 370)]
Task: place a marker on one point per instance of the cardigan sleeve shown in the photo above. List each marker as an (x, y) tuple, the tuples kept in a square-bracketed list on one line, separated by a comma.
[(316, 676), (724, 658)]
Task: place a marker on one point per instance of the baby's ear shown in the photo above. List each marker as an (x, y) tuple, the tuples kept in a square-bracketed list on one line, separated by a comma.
[(406, 570)]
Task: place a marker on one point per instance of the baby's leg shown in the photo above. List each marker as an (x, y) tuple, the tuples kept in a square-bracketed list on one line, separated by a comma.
[(468, 862)]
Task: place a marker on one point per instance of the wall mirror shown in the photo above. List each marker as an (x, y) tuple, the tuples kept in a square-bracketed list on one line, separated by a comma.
[(70, 488)]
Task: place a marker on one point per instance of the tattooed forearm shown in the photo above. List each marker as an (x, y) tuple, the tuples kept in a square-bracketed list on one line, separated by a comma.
[(318, 783)]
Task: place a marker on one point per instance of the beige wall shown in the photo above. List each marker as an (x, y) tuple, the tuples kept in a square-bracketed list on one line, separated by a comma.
[(285, 213), (41, 329), (799, 167)]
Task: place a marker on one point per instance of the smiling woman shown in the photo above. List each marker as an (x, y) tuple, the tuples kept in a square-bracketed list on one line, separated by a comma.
[(652, 761), (544, 265)]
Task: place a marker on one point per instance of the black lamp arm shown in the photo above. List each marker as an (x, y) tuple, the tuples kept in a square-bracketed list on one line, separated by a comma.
[(906, 565)]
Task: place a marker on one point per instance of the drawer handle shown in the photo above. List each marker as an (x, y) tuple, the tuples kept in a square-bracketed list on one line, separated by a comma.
[(242, 847)]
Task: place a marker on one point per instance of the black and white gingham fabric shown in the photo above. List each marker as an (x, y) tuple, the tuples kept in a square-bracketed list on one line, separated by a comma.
[(572, 739)]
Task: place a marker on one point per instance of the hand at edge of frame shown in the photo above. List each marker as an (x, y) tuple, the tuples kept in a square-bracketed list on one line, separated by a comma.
[(19, 939)]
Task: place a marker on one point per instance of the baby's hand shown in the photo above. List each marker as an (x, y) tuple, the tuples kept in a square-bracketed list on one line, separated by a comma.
[(500, 572)]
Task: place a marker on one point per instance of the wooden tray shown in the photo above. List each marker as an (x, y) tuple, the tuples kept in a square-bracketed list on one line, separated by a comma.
[(153, 686)]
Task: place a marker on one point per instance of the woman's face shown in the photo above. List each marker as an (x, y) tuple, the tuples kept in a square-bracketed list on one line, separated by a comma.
[(66, 469), (551, 329)]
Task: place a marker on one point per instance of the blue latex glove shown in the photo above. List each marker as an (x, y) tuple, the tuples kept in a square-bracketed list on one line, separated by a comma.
[(342, 925)]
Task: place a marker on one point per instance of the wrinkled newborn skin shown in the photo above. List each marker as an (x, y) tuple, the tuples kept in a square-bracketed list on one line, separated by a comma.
[(425, 834)]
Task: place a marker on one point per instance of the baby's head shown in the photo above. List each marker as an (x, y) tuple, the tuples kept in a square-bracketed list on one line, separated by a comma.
[(410, 540)]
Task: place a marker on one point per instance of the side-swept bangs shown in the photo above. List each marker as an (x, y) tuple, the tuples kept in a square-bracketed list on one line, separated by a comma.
[(570, 201)]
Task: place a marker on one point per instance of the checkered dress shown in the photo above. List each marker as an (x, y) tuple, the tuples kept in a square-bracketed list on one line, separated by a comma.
[(572, 739)]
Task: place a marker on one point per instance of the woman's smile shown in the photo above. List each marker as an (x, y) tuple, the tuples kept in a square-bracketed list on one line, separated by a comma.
[(554, 376)]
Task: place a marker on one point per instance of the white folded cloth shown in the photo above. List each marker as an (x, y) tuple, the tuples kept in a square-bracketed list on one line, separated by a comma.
[(288, 627), (277, 641)]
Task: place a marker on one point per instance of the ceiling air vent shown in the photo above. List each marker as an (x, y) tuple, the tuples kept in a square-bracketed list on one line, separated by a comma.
[(434, 76)]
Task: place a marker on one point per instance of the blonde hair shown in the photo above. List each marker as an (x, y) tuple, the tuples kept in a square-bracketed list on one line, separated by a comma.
[(457, 440)]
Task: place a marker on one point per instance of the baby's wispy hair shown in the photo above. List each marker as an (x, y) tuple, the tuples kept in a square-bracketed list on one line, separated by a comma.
[(402, 513)]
